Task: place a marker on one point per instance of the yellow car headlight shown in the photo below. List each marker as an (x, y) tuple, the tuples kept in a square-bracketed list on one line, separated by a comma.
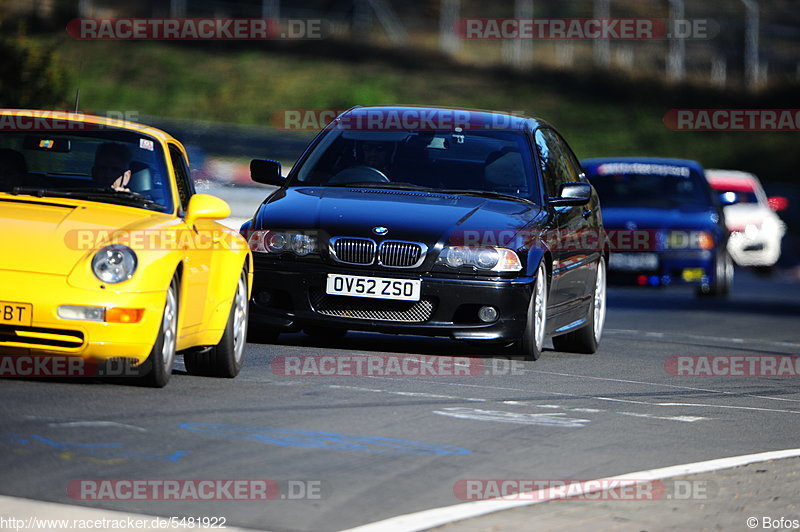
[(114, 264)]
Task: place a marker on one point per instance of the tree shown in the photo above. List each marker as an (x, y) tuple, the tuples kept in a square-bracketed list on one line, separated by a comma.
[(30, 76)]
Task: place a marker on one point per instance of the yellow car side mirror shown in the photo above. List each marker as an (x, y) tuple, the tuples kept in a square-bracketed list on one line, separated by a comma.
[(205, 206)]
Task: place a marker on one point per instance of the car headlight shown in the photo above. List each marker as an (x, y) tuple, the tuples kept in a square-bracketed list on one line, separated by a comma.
[(267, 241), (114, 264), (485, 258), (302, 245)]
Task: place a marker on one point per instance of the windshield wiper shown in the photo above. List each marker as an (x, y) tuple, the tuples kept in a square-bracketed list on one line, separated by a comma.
[(376, 184), (485, 194), (122, 196)]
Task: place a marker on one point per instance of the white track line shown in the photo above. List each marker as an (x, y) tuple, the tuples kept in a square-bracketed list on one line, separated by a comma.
[(434, 517), (716, 339)]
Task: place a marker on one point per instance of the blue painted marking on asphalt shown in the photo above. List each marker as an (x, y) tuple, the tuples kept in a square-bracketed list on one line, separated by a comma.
[(323, 440)]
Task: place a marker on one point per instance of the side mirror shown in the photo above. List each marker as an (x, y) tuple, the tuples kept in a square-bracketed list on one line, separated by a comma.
[(205, 206), (572, 194), (778, 203), (266, 171)]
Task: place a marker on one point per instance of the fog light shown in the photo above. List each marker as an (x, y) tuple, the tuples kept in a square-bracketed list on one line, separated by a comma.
[(76, 312), (487, 314)]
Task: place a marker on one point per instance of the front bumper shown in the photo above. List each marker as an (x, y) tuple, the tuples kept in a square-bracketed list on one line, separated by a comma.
[(48, 334), (290, 297), (692, 267), (758, 250)]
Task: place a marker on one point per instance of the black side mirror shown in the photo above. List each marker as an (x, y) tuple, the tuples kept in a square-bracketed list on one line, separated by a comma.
[(266, 171), (572, 194)]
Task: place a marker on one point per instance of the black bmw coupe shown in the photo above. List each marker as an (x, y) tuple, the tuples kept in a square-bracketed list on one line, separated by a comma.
[(475, 225)]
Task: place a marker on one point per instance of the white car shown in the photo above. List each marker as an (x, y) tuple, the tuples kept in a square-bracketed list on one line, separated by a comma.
[(755, 230)]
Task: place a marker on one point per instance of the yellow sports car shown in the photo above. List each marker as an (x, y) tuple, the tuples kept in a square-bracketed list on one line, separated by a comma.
[(108, 254)]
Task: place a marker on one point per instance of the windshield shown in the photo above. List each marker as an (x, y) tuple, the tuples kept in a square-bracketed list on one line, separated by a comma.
[(731, 197), (659, 191), (491, 162), (110, 166)]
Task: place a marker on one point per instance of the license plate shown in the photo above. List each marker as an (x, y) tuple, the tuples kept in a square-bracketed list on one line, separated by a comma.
[(633, 261), (15, 313), (692, 274), (374, 287)]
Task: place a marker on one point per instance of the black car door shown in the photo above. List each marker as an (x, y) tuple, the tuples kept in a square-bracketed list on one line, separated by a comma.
[(571, 259)]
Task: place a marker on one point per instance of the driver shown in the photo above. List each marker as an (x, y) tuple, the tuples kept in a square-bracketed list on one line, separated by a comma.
[(112, 166), (377, 155)]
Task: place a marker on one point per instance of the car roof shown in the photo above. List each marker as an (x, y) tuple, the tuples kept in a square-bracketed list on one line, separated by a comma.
[(732, 180), (478, 118), (90, 119), (591, 165)]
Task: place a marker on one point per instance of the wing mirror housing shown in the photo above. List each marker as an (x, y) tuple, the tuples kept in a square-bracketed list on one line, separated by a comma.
[(267, 172), (572, 194), (206, 207)]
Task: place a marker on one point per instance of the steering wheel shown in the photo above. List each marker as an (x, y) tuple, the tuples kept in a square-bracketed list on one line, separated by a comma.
[(360, 174)]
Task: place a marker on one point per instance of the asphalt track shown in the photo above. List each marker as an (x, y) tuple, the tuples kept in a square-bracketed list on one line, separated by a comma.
[(367, 448)]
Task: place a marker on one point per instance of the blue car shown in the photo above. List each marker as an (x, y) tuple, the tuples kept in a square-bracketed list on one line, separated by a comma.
[(664, 224)]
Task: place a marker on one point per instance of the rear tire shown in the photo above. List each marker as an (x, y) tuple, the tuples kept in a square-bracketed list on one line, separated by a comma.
[(531, 344), (723, 277), (227, 357), (587, 339), (159, 364)]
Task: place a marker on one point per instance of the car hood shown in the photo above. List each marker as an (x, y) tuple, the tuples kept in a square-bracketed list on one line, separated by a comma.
[(420, 216), (650, 218), (50, 235), (740, 215)]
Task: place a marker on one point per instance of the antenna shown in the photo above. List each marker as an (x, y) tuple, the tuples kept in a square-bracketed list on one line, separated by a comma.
[(78, 91)]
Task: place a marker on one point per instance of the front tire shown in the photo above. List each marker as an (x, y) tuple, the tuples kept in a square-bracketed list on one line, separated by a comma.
[(159, 363), (227, 357), (531, 344), (586, 340)]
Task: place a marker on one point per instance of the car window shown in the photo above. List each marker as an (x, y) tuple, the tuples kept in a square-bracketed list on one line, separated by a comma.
[(570, 164), (737, 196), (484, 161), (650, 185), (66, 162), (182, 179), (550, 161)]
